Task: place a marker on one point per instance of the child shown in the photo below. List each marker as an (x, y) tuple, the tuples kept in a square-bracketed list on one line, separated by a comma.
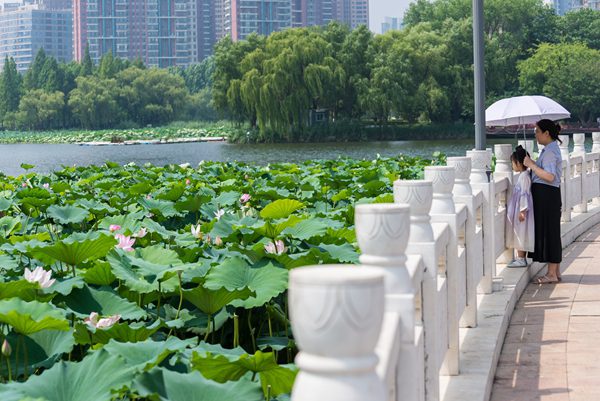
[(519, 211)]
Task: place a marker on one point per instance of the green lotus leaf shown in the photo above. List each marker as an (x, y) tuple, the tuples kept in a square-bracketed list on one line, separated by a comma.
[(129, 222), (100, 274), (95, 206), (227, 198), (77, 248), (26, 166), (44, 348), (147, 354), (222, 366), (31, 317), (140, 188), (42, 237), (36, 198), (275, 343), (67, 214), (267, 282), (212, 301), (173, 386), (192, 203), (158, 254), (154, 227), (343, 253), (91, 379), (307, 229), (162, 207), (281, 208), (19, 289), (64, 287), (121, 332), (5, 204), (8, 224), (173, 193), (105, 302), (7, 262)]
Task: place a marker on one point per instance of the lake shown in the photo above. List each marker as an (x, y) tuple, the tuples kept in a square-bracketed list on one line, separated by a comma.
[(48, 157)]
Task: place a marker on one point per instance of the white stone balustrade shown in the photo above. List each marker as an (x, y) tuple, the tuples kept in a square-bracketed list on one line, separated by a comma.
[(337, 314), (595, 142), (482, 180), (388, 330), (578, 173), (504, 170), (528, 145), (382, 232), (565, 191)]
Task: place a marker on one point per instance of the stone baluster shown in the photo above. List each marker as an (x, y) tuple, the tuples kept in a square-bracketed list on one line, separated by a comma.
[(596, 149), (443, 210), (482, 179), (566, 179), (382, 232), (504, 170), (528, 145), (419, 195), (579, 150), (578, 144), (463, 194), (336, 314), (596, 142)]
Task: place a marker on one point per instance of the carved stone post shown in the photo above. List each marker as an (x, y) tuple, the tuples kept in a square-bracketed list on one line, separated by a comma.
[(579, 150), (336, 314), (596, 142), (443, 210), (463, 194), (482, 179), (527, 145), (565, 179), (419, 195), (504, 170), (382, 232)]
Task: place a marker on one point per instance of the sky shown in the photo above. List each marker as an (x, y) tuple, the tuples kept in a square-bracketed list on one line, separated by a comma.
[(379, 9)]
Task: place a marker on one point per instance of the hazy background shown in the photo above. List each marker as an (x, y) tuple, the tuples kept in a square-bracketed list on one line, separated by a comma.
[(379, 9)]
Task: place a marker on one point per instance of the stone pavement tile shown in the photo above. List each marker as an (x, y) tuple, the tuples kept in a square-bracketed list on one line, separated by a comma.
[(585, 308), (577, 395), (554, 394), (544, 372), (533, 333), (588, 293)]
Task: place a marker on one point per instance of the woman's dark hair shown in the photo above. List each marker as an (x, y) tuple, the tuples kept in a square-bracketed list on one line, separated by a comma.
[(550, 126), (519, 155)]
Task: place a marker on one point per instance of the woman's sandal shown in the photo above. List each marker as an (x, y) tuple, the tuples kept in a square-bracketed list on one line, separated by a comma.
[(544, 280)]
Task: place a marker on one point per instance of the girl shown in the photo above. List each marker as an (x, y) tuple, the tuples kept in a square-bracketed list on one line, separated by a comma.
[(520, 211)]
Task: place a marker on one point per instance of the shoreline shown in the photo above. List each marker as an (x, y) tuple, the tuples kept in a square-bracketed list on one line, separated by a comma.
[(153, 141)]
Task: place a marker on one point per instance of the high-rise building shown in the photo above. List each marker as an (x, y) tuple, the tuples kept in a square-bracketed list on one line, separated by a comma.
[(390, 24), (564, 6), (161, 33), (578, 4), (260, 16), (314, 12), (27, 26)]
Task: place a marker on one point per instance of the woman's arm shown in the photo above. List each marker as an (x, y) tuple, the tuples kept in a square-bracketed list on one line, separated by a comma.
[(540, 172)]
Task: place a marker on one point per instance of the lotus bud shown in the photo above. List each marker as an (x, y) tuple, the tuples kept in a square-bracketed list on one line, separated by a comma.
[(218, 241), (6, 348)]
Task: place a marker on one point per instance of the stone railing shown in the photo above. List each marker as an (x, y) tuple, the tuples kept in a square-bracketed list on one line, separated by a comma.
[(389, 329)]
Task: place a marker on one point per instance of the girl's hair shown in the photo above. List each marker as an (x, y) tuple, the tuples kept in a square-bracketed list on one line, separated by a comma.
[(518, 156), (550, 126)]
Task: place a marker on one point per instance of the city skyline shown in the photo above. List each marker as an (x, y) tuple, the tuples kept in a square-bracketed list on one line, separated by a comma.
[(379, 9)]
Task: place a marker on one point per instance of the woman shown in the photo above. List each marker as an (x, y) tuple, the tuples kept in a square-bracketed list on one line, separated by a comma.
[(545, 190)]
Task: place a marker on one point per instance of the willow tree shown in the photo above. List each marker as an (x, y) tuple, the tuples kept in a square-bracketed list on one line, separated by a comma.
[(294, 74)]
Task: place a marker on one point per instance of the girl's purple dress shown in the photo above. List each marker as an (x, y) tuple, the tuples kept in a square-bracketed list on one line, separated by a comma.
[(522, 235)]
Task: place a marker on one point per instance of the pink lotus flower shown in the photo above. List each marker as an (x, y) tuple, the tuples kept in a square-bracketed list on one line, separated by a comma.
[(125, 242), (40, 276), (94, 321), (24, 185), (46, 185), (219, 213), (114, 227), (276, 248), (148, 196), (245, 198), (218, 241), (196, 231), (6, 349), (141, 233), (187, 182)]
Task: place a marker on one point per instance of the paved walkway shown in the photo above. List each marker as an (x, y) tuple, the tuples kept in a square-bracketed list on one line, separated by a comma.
[(552, 347)]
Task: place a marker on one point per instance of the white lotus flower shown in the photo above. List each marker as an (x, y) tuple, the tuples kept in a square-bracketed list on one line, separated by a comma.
[(196, 231), (94, 321), (40, 276), (219, 213), (276, 248)]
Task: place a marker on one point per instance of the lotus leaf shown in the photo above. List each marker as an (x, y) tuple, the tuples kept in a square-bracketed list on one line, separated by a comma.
[(65, 287), (67, 214), (173, 386), (343, 253), (20, 288), (8, 224), (223, 366), (31, 317), (100, 274), (212, 301), (122, 332), (162, 207), (267, 281), (104, 301), (77, 248), (281, 208), (5, 204), (91, 379), (307, 229), (147, 354), (44, 348)]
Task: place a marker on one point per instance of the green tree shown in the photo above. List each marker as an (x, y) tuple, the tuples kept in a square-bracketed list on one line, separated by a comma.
[(40, 109), (581, 26), (568, 73), (87, 66), (94, 102), (10, 88), (32, 78)]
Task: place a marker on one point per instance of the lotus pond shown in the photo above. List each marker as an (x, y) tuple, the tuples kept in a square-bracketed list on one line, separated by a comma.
[(159, 283)]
